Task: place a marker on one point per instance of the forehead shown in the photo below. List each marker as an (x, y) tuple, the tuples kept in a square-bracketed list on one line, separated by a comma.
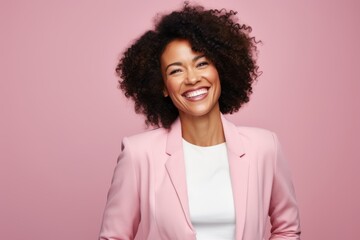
[(178, 50)]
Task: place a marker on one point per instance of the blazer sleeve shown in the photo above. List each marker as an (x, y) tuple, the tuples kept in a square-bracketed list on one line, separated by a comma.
[(283, 211), (122, 215)]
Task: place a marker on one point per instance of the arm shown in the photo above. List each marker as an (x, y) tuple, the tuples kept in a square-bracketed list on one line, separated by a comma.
[(122, 215), (283, 212)]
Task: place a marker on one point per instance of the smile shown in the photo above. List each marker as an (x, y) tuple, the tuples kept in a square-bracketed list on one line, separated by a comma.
[(196, 94)]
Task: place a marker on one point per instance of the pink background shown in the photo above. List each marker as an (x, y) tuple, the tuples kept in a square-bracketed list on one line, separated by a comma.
[(62, 117)]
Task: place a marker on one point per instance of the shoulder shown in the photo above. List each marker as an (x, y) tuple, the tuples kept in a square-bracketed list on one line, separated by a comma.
[(258, 137), (146, 140), (251, 138), (254, 131), (138, 150)]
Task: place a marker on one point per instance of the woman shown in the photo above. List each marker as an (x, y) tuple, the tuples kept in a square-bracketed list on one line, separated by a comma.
[(197, 176)]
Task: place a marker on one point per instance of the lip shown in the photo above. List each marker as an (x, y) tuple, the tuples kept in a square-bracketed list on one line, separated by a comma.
[(196, 94)]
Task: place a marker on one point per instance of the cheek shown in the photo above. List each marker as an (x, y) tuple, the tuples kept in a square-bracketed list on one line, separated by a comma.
[(213, 75), (173, 86)]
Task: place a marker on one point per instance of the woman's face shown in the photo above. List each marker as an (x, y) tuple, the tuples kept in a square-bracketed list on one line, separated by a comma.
[(191, 80)]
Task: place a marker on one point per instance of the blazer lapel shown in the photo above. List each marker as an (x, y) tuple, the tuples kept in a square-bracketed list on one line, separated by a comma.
[(239, 173), (175, 166)]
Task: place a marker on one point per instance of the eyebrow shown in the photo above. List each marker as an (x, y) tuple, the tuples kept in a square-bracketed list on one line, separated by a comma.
[(180, 64)]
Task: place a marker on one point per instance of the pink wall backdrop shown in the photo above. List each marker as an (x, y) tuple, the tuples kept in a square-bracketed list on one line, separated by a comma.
[(62, 117)]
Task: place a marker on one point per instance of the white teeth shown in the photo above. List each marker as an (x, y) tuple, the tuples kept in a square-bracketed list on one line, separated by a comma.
[(196, 93)]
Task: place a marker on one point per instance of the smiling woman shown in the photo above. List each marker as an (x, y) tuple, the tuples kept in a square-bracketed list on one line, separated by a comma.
[(197, 176)]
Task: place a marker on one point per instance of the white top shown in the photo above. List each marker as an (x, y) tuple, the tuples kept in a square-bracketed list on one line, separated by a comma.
[(210, 195)]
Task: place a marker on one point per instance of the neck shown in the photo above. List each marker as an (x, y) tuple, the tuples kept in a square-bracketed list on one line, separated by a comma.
[(204, 130)]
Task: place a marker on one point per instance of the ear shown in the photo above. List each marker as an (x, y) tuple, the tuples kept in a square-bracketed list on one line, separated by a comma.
[(165, 92)]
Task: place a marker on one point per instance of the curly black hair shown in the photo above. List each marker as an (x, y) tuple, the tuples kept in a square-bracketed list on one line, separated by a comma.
[(216, 34)]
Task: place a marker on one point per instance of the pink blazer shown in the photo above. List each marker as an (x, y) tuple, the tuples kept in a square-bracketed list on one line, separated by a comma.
[(148, 196)]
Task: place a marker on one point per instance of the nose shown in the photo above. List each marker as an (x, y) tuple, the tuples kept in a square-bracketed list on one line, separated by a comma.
[(192, 77)]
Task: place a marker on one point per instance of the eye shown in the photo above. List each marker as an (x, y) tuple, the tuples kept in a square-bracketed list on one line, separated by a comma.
[(174, 71), (202, 64)]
